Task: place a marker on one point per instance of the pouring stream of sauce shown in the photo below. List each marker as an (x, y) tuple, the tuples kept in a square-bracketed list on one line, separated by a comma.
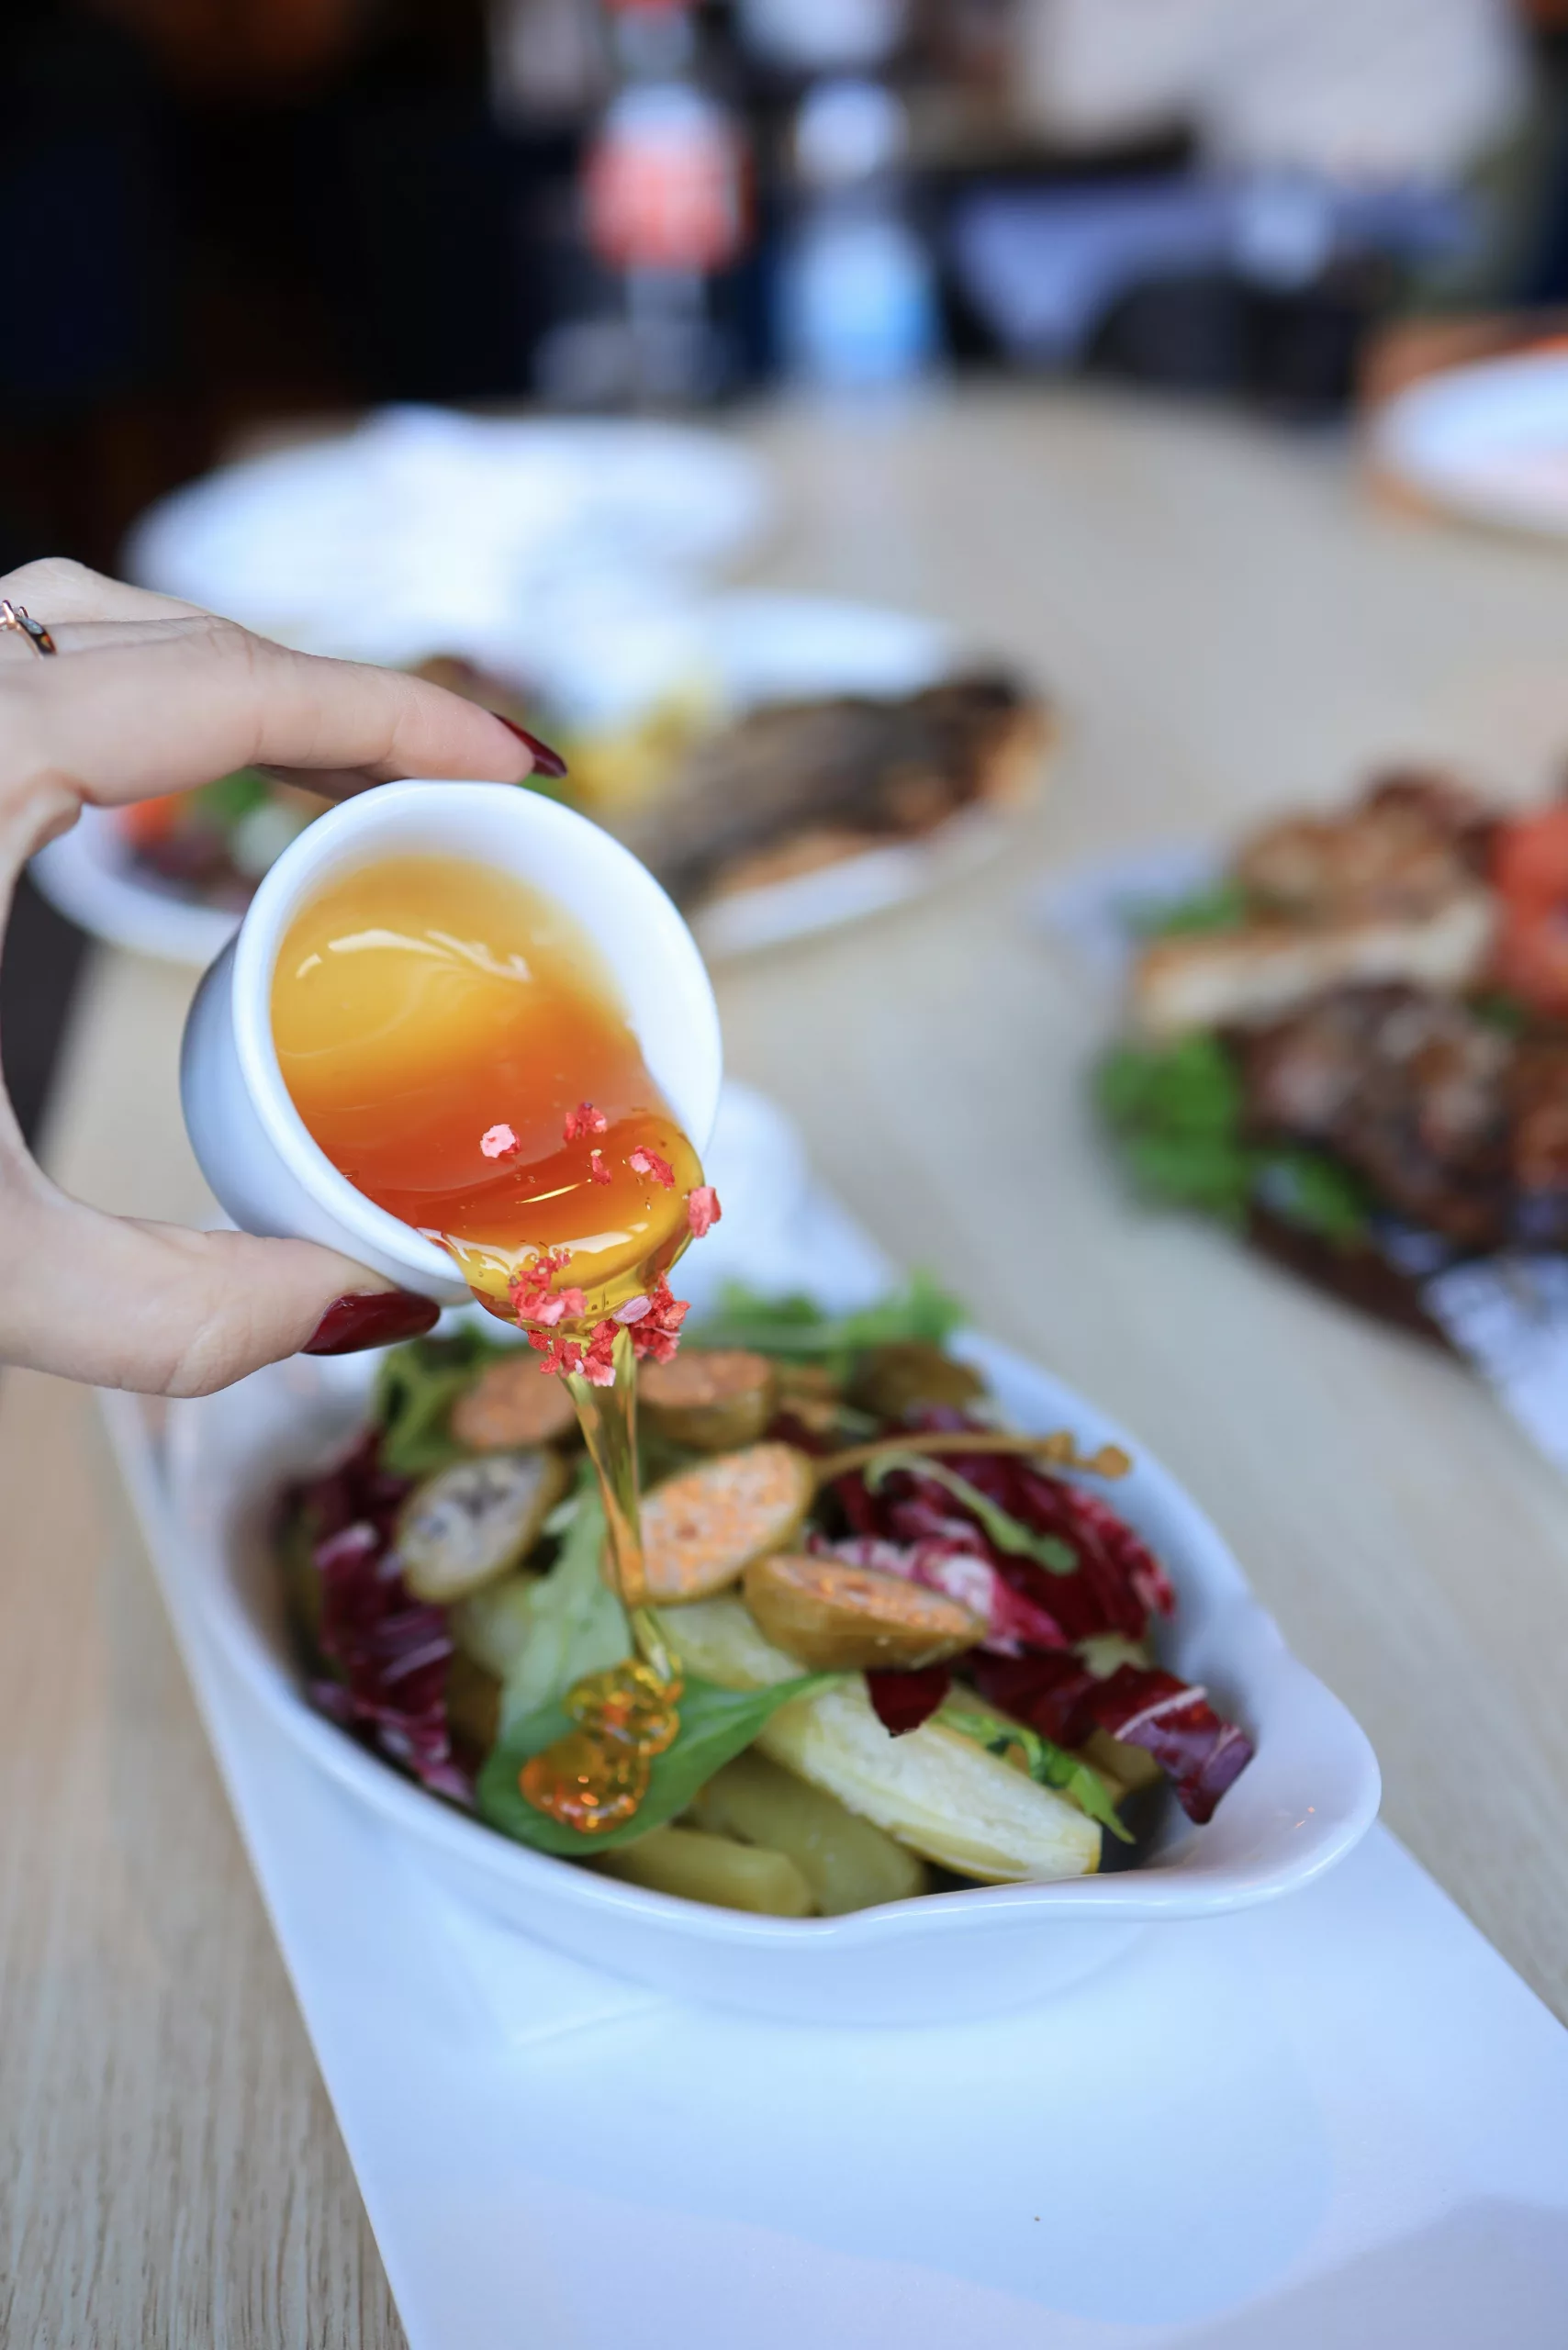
[(456, 1046)]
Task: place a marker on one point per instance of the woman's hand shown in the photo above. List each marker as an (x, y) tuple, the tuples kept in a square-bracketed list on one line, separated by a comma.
[(149, 696)]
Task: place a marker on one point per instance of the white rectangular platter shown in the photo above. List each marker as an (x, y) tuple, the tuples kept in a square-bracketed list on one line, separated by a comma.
[(1338, 2120)]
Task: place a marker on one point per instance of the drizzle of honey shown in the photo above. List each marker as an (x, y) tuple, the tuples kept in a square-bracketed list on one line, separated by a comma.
[(596, 1777), (417, 1004)]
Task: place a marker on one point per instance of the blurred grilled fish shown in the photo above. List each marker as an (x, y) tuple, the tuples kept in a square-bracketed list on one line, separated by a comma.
[(797, 784)]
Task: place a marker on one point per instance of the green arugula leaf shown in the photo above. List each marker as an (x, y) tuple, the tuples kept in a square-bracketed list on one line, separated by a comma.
[(230, 798), (1176, 1110), (796, 1327), (715, 1726), (1315, 1193), (1219, 905), (1500, 1010), (416, 1388), (570, 1623), (1008, 1533), (1048, 1765)]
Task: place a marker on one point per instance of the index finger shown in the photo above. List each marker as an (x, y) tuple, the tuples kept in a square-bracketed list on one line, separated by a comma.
[(54, 589), (191, 698)]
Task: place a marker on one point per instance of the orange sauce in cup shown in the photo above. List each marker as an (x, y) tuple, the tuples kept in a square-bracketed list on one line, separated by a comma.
[(438, 1026)]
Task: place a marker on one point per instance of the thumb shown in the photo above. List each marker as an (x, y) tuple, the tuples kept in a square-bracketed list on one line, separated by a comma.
[(169, 1312)]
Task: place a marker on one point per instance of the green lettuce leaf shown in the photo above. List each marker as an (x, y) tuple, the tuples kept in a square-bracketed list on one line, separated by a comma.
[(1218, 906), (1048, 1765), (415, 1390), (1176, 1114), (570, 1623), (797, 1327), (1314, 1194), (715, 1726)]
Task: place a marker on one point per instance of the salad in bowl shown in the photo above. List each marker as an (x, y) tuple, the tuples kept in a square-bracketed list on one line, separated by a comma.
[(1033, 1759)]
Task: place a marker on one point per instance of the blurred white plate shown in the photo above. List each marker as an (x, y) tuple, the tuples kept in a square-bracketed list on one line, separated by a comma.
[(89, 874), (1488, 442), (753, 647), (423, 530)]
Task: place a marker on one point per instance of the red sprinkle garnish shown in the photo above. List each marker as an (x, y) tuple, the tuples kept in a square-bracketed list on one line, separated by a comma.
[(596, 1360), (656, 1335), (702, 1210), (496, 1141), (585, 1120), (559, 1353), (598, 1171), (643, 1161), (533, 1298)]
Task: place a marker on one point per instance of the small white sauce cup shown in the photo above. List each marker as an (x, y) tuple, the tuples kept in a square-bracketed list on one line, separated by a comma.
[(251, 1144)]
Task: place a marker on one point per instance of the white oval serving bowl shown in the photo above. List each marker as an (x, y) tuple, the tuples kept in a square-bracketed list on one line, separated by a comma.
[(251, 1144), (1310, 1793)]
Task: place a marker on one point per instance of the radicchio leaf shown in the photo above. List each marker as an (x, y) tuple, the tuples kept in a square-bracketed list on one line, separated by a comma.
[(1199, 1750), (392, 1652), (901, 1701), (1114, 1582), (1013, 1620)]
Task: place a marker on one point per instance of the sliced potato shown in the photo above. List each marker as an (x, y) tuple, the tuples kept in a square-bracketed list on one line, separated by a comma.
[(512, 1405), (492, 1624), (711, 1401), (473, 1702), (1131, 1768), (701, 1867), (703, 1529), (469, 1524), (848, 1864), (894, 1380), (934, 1790), (840, 1617)]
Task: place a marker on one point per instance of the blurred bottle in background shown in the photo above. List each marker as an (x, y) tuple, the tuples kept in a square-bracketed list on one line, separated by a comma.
[(856, 295), (663, 202)]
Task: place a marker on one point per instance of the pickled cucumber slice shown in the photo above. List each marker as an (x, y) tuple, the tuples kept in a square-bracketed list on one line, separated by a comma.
[(469, 1524), (703, 1529), (513, 1404), (848, 1864), (711, 1401), (840, 1617), (933, 1789), (895, 1379)]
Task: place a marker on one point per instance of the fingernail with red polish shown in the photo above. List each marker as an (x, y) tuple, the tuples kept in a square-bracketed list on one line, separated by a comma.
[(377, 1318), (546, 760)]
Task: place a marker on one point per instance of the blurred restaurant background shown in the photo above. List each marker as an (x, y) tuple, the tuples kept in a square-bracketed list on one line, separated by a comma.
[(231, 225)]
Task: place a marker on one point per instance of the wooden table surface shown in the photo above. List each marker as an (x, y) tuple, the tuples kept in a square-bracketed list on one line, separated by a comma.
[(1231, 625)]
